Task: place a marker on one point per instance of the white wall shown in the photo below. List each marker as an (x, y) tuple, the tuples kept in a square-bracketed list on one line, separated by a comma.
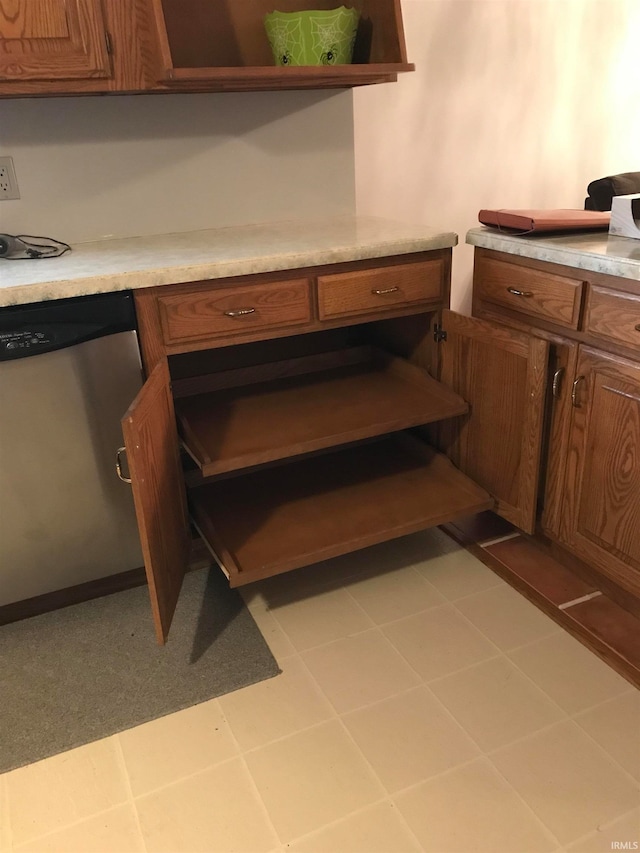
[(95, 167), (514, 103)]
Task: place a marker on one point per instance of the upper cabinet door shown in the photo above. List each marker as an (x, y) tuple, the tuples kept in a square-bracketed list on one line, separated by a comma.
[(602, 499), (502, 374), (153, 454), (52, 40)]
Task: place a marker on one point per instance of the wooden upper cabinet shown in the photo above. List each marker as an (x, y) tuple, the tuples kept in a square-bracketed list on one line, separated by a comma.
[(57, 47), (221, 45), (502, 374), (52, 40), (602, 500)]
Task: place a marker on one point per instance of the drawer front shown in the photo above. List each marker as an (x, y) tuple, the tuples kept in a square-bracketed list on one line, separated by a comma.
[(381, 289), (229, 311), (613, 315), (537, 294)]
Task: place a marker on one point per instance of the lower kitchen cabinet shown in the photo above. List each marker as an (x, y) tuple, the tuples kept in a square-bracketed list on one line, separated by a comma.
[(589, 496), (306, 430), (295, 416)]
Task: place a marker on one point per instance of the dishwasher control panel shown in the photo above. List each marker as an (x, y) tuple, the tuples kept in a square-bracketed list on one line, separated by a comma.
[(17, 342)]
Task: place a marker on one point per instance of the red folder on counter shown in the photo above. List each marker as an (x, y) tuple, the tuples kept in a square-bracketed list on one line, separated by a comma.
[(527, 221)]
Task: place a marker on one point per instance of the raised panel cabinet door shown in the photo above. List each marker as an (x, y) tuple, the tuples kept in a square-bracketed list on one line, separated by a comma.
[(153, 454), (52, 40), (603, 467), (502, 374)]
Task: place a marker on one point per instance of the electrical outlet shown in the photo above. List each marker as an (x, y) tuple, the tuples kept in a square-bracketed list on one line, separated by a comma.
[(8, 181)]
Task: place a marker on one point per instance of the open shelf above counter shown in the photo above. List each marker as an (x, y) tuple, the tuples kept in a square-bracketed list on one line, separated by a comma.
[(257, 78), (223, 46)]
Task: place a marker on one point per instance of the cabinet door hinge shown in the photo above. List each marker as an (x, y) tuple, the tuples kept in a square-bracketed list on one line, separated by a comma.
[(108, 43), (439, 333)]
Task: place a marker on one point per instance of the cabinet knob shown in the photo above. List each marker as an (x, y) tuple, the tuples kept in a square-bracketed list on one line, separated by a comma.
[(574, 392), (239, 312), (381, 292), (526, 293)]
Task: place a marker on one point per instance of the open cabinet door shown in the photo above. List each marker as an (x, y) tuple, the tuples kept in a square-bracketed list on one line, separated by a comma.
[(153, 454), (502, 374)]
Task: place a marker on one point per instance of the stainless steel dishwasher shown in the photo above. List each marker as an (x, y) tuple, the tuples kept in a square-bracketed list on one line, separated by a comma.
[(69, 369)]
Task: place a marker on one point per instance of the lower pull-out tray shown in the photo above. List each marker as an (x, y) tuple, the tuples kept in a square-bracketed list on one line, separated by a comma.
[(284, 517)]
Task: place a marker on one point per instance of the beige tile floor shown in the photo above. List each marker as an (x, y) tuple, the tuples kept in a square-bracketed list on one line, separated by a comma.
[(423, 705)]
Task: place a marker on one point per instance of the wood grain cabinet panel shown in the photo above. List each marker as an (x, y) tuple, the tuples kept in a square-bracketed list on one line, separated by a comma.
[(531, 292), (502, 374), (52, 40), (211, 312), (603, 469), (364, 291), (151, 441), (613, 316)]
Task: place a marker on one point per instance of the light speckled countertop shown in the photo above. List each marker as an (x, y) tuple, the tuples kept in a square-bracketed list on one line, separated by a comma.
[(595, 251), (135, 262)]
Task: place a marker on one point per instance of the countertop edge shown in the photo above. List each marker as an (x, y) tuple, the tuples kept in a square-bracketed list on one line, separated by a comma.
[(566, 250), (54, 284)]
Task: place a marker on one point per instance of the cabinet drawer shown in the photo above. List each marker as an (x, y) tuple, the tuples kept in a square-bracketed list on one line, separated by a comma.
[(537, 294), (230, 311), (379, 289), (613, 315)]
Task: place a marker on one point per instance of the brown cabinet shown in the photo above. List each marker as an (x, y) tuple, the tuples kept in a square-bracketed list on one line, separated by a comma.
[(326, 409), (502, 374), (589, 485), (304, 433), (53, 40), (50, 47), (222, 46), (62, 47)]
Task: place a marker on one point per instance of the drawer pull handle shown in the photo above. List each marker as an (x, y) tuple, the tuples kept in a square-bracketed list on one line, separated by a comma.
[(119, 453), (526, 293), (637, 327), (377, 292), (556, 385), (574, 392), (239, 312)]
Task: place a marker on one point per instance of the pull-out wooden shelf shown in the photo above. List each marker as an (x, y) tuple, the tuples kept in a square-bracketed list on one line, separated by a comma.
[(284, 517), (274, 411)]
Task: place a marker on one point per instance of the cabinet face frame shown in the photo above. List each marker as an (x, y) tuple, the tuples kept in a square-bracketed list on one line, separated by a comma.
[(563, 357)]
